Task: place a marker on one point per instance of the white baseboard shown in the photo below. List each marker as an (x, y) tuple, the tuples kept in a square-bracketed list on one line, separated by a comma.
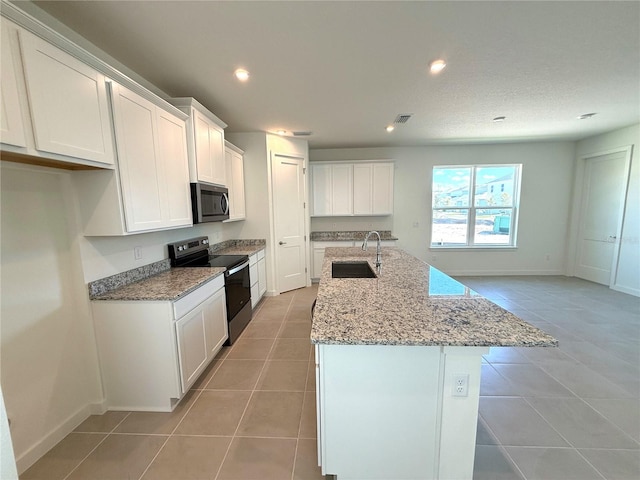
[(631, 291), (40, 448), (494, 273)]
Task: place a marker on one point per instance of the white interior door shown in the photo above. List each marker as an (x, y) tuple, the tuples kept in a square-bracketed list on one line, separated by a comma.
[(603, 196), (288, 214)]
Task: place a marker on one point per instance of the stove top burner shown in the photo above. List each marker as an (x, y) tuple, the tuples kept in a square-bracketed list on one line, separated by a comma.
[(228, 261)]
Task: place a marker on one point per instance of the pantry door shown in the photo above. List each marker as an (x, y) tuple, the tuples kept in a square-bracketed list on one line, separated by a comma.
[(289, 221), (603, 199)]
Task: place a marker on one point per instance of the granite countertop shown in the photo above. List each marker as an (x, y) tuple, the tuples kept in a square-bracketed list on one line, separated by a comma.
[(352, 235), (169, 285), (240, 250), (410, 303)]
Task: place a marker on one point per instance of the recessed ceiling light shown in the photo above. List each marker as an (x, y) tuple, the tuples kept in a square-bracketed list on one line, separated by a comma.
[(390, 128), (281, 132), (499, 119), (241, 74), (584, 116), (437, 66)]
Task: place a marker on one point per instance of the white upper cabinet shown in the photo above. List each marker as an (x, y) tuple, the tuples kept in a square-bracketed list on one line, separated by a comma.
[(172, 149), (235, 182), (332, 189), (67, 103), (11, 125), (206, 143), (150, 188), (373, 189), (348, 189), (141, 175), (152, 160)]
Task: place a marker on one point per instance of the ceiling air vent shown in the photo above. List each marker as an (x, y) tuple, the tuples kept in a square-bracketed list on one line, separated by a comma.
[(302, 134), (403, 118)]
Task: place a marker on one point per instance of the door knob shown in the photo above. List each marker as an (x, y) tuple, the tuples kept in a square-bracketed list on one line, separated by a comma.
[(282, 243)]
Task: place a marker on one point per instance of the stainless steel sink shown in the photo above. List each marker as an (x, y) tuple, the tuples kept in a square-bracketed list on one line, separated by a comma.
[(351, 270)]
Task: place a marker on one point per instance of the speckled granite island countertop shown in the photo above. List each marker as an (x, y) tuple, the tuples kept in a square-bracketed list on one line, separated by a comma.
[(169, 285), (410, 303), (351, 235)]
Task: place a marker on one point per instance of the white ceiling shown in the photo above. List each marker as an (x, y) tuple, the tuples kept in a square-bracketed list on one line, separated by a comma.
[(345, 69)]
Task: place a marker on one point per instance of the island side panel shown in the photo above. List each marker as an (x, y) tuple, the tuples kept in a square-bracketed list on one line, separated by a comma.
[(379, 407), (459, 416)]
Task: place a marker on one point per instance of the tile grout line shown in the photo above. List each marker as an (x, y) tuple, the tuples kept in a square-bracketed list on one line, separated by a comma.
[(501, 447), (106, 435), (264, 366)]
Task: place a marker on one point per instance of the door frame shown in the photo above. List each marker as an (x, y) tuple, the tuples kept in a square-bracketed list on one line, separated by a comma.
[(579, 200), (273, 273)]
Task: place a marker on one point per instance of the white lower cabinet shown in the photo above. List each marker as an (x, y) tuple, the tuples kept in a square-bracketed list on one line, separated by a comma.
[(151, 352), (257, 277), (375, 423), (262, 274)]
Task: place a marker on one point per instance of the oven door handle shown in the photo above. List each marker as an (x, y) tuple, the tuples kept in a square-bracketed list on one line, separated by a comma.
[(236, 269)]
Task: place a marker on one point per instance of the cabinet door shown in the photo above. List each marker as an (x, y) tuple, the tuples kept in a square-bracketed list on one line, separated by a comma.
[(342, 189), (362, 189), (321, 190), (373, 189), (172, 153), (262, 277), (140, 175), (216, 326), (192, 346), (210, 155), (235, 177), (11, 126), (68, 102), (318, 258), (382, 194)]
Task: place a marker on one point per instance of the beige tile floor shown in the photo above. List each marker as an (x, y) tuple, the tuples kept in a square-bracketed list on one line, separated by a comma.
[(571, 412), (251, 415)]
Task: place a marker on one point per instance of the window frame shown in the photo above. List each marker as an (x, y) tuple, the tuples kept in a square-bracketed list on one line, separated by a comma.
[(471, 209)]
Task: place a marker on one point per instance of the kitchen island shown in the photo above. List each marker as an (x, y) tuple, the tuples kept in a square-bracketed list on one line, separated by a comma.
[(398, 368)]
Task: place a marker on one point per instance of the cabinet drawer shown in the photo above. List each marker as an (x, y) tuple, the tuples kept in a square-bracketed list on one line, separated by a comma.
[(260, 254), (187, 303)]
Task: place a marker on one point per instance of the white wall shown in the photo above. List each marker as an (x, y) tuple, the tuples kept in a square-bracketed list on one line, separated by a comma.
[(49, 366), (258, 147), (547, 179), (628, 274), (105, 256)]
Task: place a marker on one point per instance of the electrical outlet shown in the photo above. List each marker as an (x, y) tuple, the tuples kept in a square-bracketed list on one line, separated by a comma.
[(460, 385), (137, 253), (547, 257)]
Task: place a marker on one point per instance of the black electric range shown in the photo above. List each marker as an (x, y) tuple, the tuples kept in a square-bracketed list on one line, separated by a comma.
[(195, 253)]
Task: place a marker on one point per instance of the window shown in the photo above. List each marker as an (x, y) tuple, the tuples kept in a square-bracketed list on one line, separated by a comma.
[(469, 212)]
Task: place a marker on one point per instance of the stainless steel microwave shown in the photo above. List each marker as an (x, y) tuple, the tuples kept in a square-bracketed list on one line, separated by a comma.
[(209, 203)]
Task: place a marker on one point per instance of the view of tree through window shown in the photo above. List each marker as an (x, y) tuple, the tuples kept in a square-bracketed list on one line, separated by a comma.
[(474, 205)]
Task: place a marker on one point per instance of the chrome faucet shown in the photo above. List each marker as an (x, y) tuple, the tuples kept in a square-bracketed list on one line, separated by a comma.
[(378, 254)]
